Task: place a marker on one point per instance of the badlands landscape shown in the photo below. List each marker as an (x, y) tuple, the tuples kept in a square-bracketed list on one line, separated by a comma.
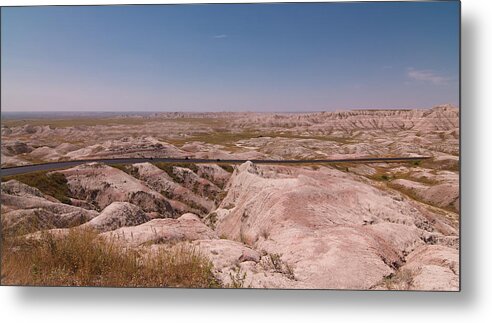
[(369, 226)]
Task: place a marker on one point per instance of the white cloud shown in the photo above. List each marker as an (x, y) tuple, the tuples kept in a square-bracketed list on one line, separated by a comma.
[(426, 76), (220, 36)]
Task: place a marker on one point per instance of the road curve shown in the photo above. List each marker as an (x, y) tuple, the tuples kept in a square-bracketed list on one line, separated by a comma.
[(8, 171)]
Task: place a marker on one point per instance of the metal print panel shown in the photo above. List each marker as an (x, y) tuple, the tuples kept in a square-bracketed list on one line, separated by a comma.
[(281, 145)]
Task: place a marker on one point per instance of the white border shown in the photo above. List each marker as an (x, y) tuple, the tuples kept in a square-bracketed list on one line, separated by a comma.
[(472, 304)]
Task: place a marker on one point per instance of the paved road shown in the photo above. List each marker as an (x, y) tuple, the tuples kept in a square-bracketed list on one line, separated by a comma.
[(66, 164)]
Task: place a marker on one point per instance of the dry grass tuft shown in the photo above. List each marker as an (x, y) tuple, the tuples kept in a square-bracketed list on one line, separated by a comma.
[(400, 280), (82, 259)]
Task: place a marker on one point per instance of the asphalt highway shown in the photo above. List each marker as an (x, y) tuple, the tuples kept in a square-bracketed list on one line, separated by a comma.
[(66, 164)]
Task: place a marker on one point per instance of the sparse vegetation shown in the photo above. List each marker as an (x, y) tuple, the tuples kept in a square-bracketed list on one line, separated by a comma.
[(274, 262), (129, 169), (211, 220), (53, 184), (400, 280), (385, 177), (226, 167), (381, 174), (200, 208), (169, 169), (238, 278), (196, 188), (31, 224), (191, 166), (82, 259), (420, 196), (74, 122), (219, 135), (37, 221), (121, 167), (220, 196), (432, 164), (167, 194)]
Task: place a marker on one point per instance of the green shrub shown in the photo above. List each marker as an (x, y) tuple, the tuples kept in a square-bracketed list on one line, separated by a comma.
[(227, 168), (238, 278), (53, 184), (385, 177)]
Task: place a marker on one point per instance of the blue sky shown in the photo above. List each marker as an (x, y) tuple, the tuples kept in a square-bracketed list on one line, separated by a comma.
[(260, 57)]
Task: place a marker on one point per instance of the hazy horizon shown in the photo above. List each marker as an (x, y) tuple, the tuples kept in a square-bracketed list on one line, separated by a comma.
[(63, 113), (294, 57)]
